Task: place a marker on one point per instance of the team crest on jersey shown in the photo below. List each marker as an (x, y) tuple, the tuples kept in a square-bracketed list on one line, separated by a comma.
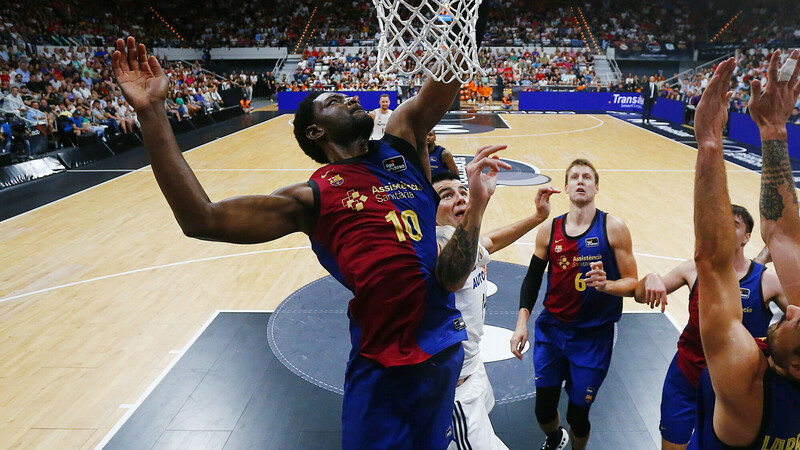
[(336, 180), (563, 262), (354, 200), (433, 159), (558, 248), (592, 242), (744, 292), (395, 164), (589, 395)]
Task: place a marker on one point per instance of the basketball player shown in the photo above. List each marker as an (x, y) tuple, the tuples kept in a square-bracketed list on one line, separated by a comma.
[(759, 288), (591, 268), (474, 396), (756, 399), (440, 158), (380, 117), (370, 214)]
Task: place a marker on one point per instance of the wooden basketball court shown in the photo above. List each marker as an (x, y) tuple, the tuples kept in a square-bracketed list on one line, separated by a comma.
[(101, 291)]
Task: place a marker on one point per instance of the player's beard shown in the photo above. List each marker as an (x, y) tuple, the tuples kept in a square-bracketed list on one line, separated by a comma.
[(362, 125)]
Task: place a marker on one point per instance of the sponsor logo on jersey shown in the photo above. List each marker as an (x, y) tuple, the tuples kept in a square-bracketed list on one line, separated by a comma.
[(564, 262), (395, 191), (395, 164), (744, 292), (336, 180), (434, 159), (459, 323), (747, 310), (592, 242), (354, 200)]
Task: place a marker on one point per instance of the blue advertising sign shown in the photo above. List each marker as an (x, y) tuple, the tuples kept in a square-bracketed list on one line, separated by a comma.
[(288, 101)]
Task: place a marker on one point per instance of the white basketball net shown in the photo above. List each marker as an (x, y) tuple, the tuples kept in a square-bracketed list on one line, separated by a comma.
[(436, 37)]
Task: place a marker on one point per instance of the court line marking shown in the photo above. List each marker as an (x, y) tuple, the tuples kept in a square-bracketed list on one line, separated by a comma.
[(133, 171), (179, 263), (499, 138), (132, 408), (681, 143)]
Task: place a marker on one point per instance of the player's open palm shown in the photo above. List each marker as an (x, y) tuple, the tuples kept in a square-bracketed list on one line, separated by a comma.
[(772, 104), (712, 111), (141, 78), (482, 184)]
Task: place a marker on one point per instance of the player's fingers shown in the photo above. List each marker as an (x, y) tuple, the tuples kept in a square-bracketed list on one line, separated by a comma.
[(115, 65), (155, 66), (133, 63), (755, 88), (772, 72), (123, 55), (795, 55), (141, 53), (483, 152)]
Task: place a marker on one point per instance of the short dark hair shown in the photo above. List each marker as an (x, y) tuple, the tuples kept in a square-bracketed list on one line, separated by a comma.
[(444, 176), (782, 357), (304, 117), (384, 95), (582, 162), (742, 212)]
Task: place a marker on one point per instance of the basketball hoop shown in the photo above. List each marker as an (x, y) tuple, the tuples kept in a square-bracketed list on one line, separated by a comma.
[(436, 37)]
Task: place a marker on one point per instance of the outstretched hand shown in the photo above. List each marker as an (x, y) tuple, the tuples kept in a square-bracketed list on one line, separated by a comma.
[(482, 185), (543, 201), (712, 112), (771, 105), (141, 78)]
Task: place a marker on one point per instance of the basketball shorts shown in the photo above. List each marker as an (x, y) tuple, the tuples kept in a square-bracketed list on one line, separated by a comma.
[(678, 406), (400, 407), (578, 356), (472, 428)]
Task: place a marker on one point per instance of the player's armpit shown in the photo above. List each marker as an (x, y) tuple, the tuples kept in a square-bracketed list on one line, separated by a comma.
[(259, 218)]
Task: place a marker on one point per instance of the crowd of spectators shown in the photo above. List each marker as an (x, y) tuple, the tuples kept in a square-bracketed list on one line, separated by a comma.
[(528, 67), (751, 64), (71, 92)]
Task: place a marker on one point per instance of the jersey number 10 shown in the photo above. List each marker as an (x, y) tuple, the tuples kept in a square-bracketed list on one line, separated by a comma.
[(411, 222)]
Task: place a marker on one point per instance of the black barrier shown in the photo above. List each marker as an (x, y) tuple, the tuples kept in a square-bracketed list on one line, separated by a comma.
[(227, 113), (123, 142), (29, 170), (231, 97), (182, 126), (77, 157), (202, 120)]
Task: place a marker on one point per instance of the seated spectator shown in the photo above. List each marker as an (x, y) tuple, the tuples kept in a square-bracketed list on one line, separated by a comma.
[(77, 125), (795, 117), (100, 117), (12, 103)]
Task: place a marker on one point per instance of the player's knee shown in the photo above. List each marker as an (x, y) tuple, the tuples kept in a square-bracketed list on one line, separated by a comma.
[(578, 420), (547, 404)]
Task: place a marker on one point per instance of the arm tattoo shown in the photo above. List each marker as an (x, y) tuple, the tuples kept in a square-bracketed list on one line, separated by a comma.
[(458, 256), (776, 176)]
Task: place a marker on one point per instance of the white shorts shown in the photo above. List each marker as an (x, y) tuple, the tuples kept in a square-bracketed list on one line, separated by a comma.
[(471, 425)]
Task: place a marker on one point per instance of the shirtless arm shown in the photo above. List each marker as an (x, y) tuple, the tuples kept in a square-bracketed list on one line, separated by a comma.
[(770, 106), (734, 360), (530, 288), (619, 237), (653, 288), (772, 290), (448, 161), (500, 238), (247, 219)]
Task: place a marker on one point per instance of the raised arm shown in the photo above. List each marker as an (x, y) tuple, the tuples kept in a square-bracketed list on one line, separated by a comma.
[(248, 219), (416, 116), (653, 288), (458, 256), (770, 106), (500, 238), (733, 358)]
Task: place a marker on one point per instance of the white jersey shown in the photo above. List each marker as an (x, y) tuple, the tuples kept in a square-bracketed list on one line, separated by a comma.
[(381, 120), (471, 301)]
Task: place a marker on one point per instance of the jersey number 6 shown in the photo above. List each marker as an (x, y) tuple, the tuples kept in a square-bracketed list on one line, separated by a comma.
[(580, 283)]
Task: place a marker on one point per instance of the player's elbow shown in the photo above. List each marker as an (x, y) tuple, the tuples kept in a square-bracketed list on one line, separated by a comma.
[(712, 257)]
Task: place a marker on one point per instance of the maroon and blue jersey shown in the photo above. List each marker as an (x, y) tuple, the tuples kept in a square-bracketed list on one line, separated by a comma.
[(780, 419), (376, 233), (436, 161), (756, 317), (568, 299)]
